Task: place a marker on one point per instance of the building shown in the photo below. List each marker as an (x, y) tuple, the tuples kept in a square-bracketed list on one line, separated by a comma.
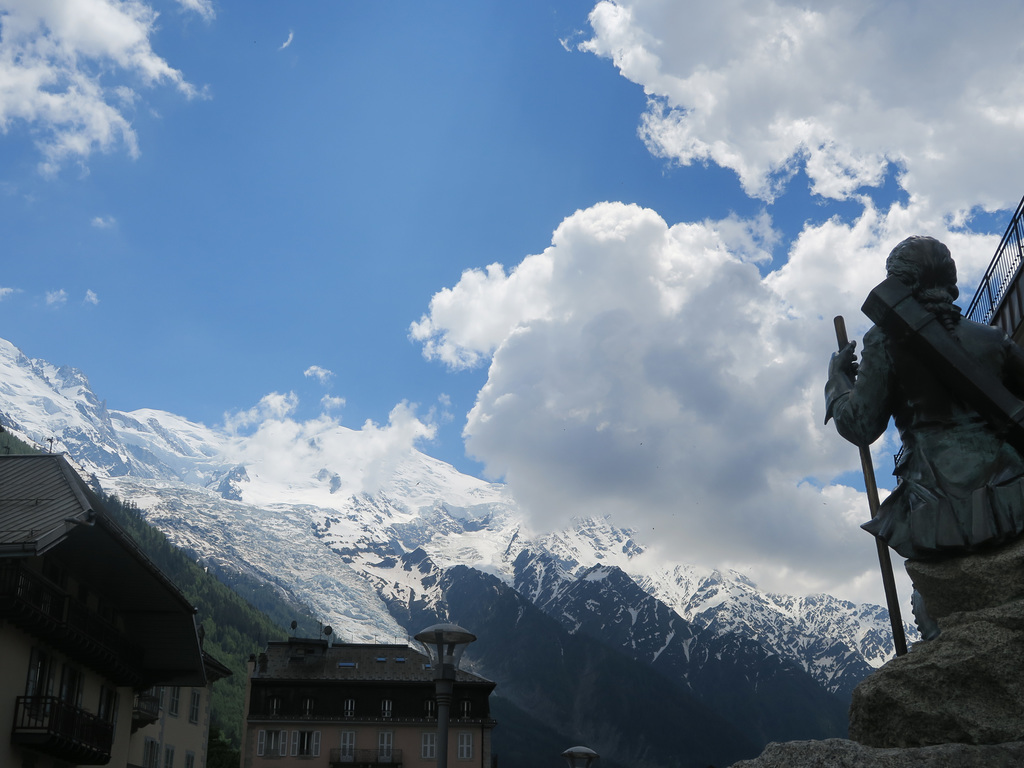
[(88, 626), (999, 299), (171, 723), (313, 703)]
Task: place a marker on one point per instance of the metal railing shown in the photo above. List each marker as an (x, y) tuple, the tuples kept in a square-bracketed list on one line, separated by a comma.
[(36, 604), (62, 730), (352, 757), (1001, 272)]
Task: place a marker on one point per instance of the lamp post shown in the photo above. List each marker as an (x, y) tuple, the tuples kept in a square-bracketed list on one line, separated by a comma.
[(444, 644), (580, 757)]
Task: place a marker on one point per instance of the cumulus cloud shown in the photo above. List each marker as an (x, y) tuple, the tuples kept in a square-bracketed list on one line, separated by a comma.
[(280, 451), (844, 91), (69, 70), (91, 297), (275, 406), (56, 298), (652, 372), (320, 374)]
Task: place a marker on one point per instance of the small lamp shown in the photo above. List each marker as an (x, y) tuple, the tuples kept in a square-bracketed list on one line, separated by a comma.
[(444, 645), (580, 757)]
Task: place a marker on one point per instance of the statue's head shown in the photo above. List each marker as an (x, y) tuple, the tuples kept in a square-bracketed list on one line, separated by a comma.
[(925, 265)]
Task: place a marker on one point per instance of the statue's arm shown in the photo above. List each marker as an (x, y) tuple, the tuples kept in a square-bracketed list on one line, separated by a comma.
[(858, 397)]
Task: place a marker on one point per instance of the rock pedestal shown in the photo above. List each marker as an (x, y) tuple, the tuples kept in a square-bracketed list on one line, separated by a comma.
[(966, 686)]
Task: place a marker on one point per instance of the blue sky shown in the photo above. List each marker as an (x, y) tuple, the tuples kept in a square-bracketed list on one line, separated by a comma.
[(207, 201)]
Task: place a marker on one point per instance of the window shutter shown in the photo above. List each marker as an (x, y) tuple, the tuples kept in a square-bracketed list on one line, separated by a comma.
[(295, 743), (316, 743), (283, 742), (261, 743)]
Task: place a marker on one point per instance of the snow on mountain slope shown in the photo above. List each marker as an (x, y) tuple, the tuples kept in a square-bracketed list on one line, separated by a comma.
[(341, 520)]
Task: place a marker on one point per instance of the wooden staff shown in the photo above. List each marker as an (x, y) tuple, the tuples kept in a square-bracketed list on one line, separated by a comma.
[(892, 600)]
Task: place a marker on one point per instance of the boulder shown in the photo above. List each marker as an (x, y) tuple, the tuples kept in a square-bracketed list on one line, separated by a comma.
[(840, 753), (967, 685)]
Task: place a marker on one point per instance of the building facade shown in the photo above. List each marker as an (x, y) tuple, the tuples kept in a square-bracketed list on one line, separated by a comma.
[(88, 624), (315, 704)]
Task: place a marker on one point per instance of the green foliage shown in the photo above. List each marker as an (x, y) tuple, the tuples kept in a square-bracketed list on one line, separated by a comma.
[(234, 628), (9, 444)]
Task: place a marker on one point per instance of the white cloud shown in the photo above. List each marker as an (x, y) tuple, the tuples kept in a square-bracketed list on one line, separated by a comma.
[(58, 64), (202, 7), (56, 298), (332, 403), (103, 222), (320, 374), (274, 406), (91, 297), (5, 292), (840, 89), (651, 372), (286, 43), (279, 451)]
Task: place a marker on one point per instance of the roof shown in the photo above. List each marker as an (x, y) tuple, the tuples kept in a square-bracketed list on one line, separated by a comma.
[(309, 659), (45, 507), (41, 501)]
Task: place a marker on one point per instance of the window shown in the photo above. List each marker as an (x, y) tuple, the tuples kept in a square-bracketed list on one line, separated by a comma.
[(430, 709), (172, 706), (428, 745), (190, 760), (306, 743), (307, 706), (385, 742), (465, 745), (348, 746), (39, 679), (160, 697), (107, 709), (71, 686), (151, 754), (272, 743), (169, 757), (350, 708), (193, 707), (465, 708), (274, 705), (385, 708)]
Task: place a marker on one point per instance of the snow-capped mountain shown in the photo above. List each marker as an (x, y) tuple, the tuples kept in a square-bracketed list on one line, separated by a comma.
[(365, 537)]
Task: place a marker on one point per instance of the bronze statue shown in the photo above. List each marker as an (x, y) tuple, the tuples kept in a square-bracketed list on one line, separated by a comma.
[(953, 388)]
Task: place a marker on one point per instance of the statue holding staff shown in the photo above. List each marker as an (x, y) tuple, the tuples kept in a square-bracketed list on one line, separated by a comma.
[(953, 389)]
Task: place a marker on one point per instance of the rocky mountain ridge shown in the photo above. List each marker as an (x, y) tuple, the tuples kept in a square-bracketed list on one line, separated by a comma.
[(369, 556)]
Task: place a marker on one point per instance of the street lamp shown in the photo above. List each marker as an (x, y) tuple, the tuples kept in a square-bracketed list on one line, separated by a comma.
[(580, 757), (444, 644)]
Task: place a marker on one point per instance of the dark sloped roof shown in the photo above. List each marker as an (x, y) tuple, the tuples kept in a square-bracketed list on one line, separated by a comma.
[(41, 501), (45, 507), (308, 659)]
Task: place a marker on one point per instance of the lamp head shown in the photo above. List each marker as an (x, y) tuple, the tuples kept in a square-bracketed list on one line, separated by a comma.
[(444, 644), (580, 757)]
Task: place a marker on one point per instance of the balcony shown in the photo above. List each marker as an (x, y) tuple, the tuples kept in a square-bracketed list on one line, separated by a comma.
[(145, 709), (39, 607), (365, 758), (999, 299), (48, 725)]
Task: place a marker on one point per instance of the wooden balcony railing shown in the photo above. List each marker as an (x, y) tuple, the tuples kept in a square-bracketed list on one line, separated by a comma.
[(49, 725)]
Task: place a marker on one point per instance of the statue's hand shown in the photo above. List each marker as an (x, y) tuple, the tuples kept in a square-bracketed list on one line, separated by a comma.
[(844, 362)]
